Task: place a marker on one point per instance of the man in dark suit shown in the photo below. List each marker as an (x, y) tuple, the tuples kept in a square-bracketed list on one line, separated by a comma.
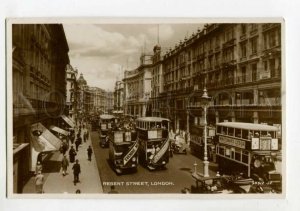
[(76, 171)]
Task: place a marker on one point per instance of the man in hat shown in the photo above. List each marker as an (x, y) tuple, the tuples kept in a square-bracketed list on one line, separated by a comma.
[(72, 154), (64, 165), (76, 171)]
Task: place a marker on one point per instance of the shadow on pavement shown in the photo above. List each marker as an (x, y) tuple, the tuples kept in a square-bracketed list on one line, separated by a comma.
[(186, 169), (51, 166)]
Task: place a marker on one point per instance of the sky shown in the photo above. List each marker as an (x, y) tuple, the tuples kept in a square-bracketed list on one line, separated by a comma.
[(102, 52)]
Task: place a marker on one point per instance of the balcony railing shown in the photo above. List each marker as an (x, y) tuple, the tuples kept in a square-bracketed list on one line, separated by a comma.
[(229, 43)]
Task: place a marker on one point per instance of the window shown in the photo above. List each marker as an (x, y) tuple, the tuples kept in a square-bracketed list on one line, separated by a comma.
[(272, 39), (243, 28), (231, 131), (244, 49), (253, 27), (266, 65), (254, 72), (245, 155), (238, 155), (254, 46), (272, 67), (238, 133)]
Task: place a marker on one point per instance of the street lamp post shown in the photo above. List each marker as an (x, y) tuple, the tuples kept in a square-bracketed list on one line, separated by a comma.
[(205, 103)]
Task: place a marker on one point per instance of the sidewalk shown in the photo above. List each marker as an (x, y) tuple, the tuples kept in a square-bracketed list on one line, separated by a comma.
[(55, 182)]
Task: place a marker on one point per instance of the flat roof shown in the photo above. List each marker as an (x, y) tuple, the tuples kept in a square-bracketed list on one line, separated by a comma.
[(248, 126), (152, 119)]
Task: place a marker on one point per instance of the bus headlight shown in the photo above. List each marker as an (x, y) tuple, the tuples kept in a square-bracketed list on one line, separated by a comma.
[(257, 163), (133, 159), (164, 162)]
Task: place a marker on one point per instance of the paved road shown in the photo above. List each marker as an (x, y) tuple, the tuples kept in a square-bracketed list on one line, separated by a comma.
[(171, 180)]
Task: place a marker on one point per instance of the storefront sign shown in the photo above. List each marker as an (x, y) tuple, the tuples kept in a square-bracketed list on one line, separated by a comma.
[(232, 142)]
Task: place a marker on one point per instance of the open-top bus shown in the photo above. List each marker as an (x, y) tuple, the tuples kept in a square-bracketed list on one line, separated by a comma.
[(154, 141), (123, 149), (106, 124), (251, 150)]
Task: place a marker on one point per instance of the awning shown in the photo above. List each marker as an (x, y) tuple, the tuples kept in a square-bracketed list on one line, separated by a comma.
[(42, 139), (19, 147), (59, 130), (68, 121)]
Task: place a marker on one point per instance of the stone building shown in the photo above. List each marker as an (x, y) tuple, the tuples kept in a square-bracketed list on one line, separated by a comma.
[(239, 64), (119, 96), (71, 100), (39, 59), (137, 87)]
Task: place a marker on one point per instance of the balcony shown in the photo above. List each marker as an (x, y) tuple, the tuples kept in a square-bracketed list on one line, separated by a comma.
[(217, 48), (229, 43), (201, 56), (253, 32), (269, 26), (182, 64), (230, 63), (243, 37), (243, 79)]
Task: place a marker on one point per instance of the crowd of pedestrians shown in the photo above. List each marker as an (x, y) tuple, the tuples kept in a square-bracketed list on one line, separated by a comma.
[(75, 136)]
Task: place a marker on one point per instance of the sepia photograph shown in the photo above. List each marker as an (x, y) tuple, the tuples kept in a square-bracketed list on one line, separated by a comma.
[(145, 106)]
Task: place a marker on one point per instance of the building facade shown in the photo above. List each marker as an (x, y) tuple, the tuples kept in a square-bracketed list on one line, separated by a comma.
[(98, 100), (137, 87), (109, 107), (119, 96), (71, 99), (239, 64), (40, 56), (157, 81)]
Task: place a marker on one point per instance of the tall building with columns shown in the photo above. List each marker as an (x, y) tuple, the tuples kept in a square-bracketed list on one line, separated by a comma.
[(137, 87)]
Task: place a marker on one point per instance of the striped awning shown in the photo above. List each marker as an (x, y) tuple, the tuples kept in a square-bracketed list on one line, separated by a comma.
[(68, 121), (59, 130), (45, 141)]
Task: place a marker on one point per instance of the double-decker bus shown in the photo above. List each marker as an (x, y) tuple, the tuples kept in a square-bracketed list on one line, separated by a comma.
[(251, 150), (106, 124), (123, 149), (153, 141), (197, 141)]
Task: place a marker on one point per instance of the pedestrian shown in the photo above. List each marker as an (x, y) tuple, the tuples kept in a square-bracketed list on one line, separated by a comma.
[(90, 152), (84, 136), (72, 154), (77, 143), (79, 137), (87, 134), (112, 190), (76, 171), (64, 165), (38, 167), (39, 182)]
